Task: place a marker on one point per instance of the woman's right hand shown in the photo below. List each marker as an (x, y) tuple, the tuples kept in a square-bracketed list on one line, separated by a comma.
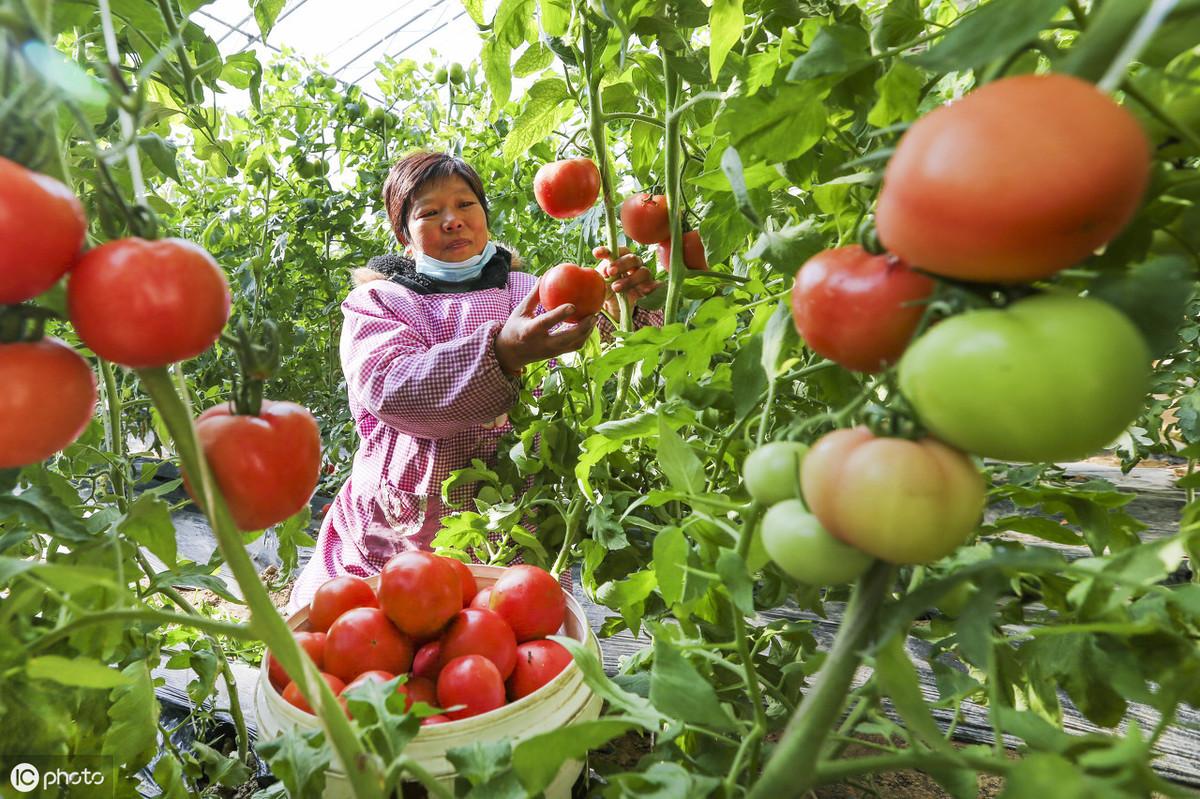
[(526, 338)]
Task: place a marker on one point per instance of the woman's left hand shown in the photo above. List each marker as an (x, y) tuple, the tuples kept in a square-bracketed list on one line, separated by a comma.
[(629, 277)]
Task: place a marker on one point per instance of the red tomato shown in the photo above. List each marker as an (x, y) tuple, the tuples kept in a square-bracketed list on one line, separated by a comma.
[(530, 600), (693, 252), (469, 589), (899, 500), (418, 689), (856, 308), (419, 592), (644, 218), (46, 401), (428, 660), (41, 230), (312, 643), (1021, 178), (148, 303), (470, 680), (480, 632), (265, 465), (538, 662), (375, 675), (292, 695), (362, 639), (565, 189), (337, 596), (578, 285), (483, 599), (429, 721)]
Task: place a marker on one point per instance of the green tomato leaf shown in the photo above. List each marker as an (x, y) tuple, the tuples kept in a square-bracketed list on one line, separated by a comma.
[(670, 556), (556, 17), (988, 33), (779, 340), (537, 760), (265, 14), (726, 22), (148, 522), (677, 460), (836, 50), (680, 691), (731, 165), (737, 580), (898, 678), (536, 57), (900, 23), (494, 55), (132, 737), (628, 596), (1154, 295), (749, 381), (899, 93), (633, 707), (474, 9), (82, 672), (775, 126)]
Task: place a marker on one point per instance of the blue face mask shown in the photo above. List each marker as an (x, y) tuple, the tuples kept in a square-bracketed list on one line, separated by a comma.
[(456, 271)]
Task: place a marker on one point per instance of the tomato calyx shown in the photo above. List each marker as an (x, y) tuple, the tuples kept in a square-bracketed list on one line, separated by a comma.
[(24, 323), (257, 353), (868, 238)]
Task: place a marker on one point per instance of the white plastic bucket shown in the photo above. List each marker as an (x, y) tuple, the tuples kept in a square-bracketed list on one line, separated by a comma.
[(564, 700)]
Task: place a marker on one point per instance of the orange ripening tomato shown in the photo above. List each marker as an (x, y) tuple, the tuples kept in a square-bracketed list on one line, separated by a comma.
[(47, 395), (1019, 179), (566, 189), (901, 501), (143, 303), (42, 226), (265, 465)]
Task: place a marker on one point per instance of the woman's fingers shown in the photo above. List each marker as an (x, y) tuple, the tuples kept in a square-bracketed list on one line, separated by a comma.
[(529, 304), (550, 318)]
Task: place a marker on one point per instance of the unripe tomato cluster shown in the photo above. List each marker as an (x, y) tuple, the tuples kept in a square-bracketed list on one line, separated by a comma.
[(461, 649), (1049, 377)]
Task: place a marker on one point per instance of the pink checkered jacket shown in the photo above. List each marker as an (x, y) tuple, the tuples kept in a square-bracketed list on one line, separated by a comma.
[(427, 395)]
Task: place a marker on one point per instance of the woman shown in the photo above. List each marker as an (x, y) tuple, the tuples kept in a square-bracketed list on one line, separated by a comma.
[(433, 347)]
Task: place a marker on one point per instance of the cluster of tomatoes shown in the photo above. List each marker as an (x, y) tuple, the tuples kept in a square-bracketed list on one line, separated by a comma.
[(566, 189), (987, 190), (428, 628), (143, 305)]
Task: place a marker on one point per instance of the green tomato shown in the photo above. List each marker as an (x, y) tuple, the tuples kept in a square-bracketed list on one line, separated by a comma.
[(456, 73), (805, 550), (1049, 378), (321, 168), (305, 169), (441, 76), (772, 472), (353, 110)]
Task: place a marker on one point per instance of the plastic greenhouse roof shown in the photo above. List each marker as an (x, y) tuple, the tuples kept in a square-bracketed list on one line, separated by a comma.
[(348, 36)]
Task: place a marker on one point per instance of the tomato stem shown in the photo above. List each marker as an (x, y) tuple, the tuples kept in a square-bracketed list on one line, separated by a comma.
[(676, 271), (362, 769), (791, 771)]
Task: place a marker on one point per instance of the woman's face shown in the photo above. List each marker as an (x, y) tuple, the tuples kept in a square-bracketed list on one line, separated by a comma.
[(446, 221)]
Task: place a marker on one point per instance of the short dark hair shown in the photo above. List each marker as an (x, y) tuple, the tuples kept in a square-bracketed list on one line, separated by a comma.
[(413, 171)]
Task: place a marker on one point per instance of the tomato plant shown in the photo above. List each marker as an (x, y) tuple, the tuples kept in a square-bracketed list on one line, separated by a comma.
[(530, 600), (925, 499), (575, 285), (336, 596), (566, 189), (537, 663), (47, 394), (644, 218), (1019, 179), (266, 465), (364, 639), (472, 681), (805, 550), (858, 309), (419, 592), (42, 226), (1051, 377), (170, 297)]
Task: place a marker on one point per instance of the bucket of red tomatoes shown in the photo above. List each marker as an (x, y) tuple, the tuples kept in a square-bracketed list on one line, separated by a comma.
[(471, 641)]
